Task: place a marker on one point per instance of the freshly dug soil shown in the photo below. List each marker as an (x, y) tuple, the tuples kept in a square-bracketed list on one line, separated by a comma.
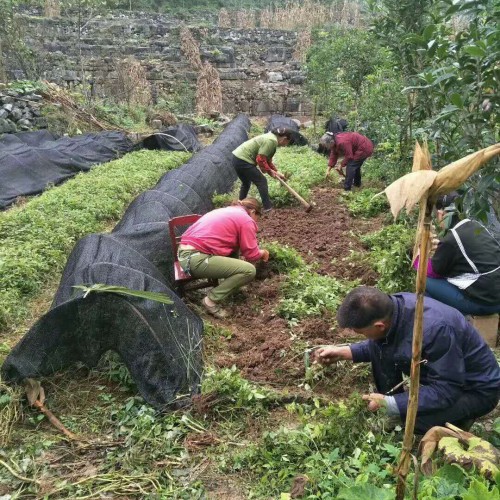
[(263, 345)]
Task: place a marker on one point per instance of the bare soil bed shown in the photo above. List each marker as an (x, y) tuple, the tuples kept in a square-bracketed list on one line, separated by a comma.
[(263, 345)]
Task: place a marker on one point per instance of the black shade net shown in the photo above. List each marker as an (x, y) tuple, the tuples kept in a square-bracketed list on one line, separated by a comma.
[(31, 161), (160, 344), (180, 137), (280, 121)]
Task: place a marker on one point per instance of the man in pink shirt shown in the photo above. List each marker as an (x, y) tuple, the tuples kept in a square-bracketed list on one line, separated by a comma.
[(208, 249), (355, 148)]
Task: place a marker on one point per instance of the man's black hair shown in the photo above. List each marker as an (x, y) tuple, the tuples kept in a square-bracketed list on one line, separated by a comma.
[(363, 306), (446, 200)]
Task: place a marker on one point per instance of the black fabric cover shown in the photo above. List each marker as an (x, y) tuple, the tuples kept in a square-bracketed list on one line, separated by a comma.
[(180, 137), (160, 344), (280, 121), (336, 125), (30, 161)]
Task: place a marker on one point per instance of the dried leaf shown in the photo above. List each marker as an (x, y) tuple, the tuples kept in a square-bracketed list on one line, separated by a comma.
[(452, 441), (409, 189), (34, 391), (421, 158), (455, 174)]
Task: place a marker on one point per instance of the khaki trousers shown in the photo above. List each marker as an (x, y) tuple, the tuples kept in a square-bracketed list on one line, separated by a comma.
[(234, 272)]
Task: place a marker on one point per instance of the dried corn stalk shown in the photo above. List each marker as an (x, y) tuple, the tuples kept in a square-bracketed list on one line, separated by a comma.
[(224, 19), (52, 8), (208, 91), (302, 45), (190, 48), (407, 190), (131, 83), (245, 19)]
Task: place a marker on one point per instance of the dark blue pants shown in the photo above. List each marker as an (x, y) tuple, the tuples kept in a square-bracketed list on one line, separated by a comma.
[(353, 174), (467, 407), (451, 295), (248, 173)]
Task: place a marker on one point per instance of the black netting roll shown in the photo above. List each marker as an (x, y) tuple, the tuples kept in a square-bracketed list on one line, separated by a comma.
[(280, 121), (31, 161), (160, 344), (180, 137)]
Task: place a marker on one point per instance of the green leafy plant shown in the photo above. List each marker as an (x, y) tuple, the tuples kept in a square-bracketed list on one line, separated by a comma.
[(309, 294), (320, 448), (283, 258), (304, 167), (233, 393), (222, 200), (390, 255), (364, 203)]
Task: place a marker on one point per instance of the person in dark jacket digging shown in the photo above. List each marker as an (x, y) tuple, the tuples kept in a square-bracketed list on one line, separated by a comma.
[(464, 270), (355, 148), (459, 375)]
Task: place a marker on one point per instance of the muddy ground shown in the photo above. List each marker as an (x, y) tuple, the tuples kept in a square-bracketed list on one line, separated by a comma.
[(263, 345)]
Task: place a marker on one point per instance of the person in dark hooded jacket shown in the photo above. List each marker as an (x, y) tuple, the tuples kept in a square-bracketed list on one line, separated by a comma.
[(464, 270), (459, 375)]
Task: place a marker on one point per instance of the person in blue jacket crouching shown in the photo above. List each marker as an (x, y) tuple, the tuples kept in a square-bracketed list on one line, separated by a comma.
[(459, 375)]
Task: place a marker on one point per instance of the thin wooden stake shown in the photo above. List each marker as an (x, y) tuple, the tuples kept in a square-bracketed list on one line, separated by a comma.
[(405, 458)]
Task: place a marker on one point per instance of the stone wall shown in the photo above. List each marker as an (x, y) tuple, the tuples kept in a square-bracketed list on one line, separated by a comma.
[(20, 111), (258, 73)]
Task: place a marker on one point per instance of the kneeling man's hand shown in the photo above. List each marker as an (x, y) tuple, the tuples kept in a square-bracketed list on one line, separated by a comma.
[(376, 401), (330, 354)]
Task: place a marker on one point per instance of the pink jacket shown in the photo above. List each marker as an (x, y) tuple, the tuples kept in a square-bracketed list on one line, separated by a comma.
[(224, 231)]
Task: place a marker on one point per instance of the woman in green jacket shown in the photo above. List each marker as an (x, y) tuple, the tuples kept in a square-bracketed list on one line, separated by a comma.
[(258, 152)]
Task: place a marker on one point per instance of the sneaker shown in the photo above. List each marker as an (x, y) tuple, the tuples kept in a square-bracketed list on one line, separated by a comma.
[(216, 310), (267, 210)]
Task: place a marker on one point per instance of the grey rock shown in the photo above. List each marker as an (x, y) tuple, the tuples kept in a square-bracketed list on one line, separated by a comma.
[(8, 107), (7, 99), (24, 124), (275, 76), (7, 127), (16, 114), (3, 113), (156, 124)]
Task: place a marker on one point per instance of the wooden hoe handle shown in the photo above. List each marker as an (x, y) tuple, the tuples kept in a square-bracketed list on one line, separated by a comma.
[(304, 203)]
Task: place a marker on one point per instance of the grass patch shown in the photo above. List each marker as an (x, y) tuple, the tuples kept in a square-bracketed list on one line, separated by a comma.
[(37, 238)]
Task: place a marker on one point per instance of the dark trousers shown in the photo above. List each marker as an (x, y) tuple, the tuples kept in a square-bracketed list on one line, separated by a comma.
[(248, 173), (449, 294), (353, 174), (468, 406)]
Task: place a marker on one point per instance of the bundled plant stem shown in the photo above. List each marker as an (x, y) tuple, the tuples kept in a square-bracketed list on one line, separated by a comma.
[(411, 415)]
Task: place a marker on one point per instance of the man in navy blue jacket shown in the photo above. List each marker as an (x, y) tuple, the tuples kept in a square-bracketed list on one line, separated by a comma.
[(459, 375)]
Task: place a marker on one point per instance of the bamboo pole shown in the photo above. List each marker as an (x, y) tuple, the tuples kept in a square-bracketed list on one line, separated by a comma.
[(405, 458)]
